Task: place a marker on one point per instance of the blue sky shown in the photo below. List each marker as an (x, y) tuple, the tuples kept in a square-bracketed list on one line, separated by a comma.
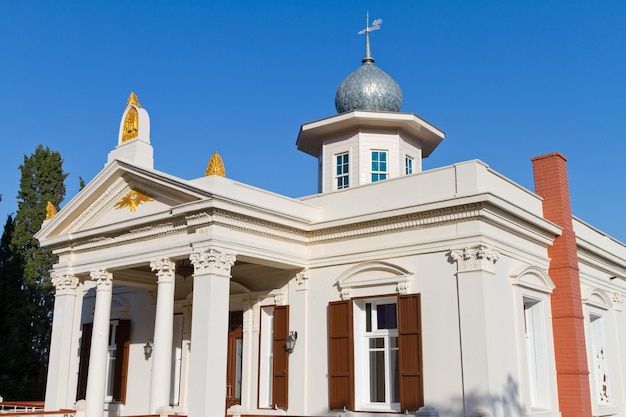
[(506, 81)]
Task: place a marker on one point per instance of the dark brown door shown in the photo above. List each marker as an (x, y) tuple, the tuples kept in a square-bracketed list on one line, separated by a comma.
[(233, 367)]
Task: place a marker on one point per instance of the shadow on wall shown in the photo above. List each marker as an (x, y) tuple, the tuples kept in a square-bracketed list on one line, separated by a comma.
[(506, 404)]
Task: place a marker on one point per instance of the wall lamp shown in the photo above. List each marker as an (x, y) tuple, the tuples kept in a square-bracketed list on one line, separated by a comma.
[(147, 349), (290, 342)]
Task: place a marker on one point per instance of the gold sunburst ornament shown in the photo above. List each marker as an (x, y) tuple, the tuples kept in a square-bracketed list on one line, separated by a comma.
[(132, 200), (215, 166)]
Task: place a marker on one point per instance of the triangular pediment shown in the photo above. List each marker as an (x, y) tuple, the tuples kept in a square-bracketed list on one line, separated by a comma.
[(121, 196)]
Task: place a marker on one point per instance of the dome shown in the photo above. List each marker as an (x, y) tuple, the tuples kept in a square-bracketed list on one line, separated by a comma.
[(368, 88)]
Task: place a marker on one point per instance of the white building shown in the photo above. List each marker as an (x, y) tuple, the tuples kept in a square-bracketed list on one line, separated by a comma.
[(400, 288)]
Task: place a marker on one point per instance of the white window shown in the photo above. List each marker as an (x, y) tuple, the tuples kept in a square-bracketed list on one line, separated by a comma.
[(377, 376), (342, 170), (177, 357), (111, 352), (536, 353), (408, 165), (379, 166), (266, 362), (598, 352)]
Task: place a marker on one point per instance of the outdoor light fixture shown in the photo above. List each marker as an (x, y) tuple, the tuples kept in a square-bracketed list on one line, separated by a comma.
[(290, 343), (147, 349)]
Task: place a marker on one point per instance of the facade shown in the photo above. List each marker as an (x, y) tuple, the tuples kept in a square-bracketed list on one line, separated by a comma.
[(453, 288)]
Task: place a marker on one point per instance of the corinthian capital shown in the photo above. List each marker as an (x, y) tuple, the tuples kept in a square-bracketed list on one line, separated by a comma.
[(64, 284), (212, 262), (479, 258), (165, 269), (103, 278)]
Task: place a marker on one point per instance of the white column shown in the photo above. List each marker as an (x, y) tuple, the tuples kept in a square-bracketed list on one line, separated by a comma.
[(96, 378), (209, 334), (60, 361), (163, 328)]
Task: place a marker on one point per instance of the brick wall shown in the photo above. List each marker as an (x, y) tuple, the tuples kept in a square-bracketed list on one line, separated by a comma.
[(551, 183)]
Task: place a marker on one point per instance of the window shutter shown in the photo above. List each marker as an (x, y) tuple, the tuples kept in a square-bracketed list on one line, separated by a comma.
[(122, 339), (340, 356), (83, 366), (410, 346), (280, 372)]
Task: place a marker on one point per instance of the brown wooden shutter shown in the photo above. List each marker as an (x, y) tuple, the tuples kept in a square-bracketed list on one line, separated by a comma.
[(122, 340), (340, 356), (83, 366), (410, 346), (280, 371)]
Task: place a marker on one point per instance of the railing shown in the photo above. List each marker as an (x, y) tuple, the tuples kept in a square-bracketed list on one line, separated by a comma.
[(30, 408)]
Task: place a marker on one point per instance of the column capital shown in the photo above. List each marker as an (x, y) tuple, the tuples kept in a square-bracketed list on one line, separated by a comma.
[(478, 258), (212, 262), (102, 278), (165, 269), (64, 284)]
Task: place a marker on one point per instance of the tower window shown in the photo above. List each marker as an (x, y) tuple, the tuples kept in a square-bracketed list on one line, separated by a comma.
[(379, 166), (342, 170), (408, 165)]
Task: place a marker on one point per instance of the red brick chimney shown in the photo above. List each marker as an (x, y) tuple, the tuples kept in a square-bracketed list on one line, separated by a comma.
[(567, 313)]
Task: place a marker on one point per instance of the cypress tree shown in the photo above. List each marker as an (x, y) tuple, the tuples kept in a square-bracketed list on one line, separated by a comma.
[(42, 180)]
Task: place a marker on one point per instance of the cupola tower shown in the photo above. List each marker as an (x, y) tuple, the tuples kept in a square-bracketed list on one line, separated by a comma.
[(369, 140)]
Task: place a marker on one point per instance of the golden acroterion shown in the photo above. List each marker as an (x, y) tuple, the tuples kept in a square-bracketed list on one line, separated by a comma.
[(132, 99), (132, 200), (51, 211), (215, 166)]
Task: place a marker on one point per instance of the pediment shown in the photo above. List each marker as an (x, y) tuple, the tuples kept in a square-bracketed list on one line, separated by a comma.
[(120, 196)]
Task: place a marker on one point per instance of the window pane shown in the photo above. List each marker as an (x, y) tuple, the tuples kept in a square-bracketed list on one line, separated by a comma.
[(368, 317), (377, 376), (387, 317), (377, 343), (383, 156), (395, 374)]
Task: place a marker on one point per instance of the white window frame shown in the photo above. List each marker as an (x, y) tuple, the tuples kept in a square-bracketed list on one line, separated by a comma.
[(379, 172), (361, 356), (532, 287), (266, 357), (409, 165), (110, 365), (599, 317), (344, 176), (536, 352), (600, 369)]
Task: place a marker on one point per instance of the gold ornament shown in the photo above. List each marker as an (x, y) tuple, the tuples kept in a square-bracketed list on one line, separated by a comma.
[(132, 200), (51, 211), (215, 166), (132, 99), (131, 125)]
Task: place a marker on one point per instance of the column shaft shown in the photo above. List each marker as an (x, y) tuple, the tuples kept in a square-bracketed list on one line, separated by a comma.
[(163, 328), (96, 378), (63, 333), (209, 334)]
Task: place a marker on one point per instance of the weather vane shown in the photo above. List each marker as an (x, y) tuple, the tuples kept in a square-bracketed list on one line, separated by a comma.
[(375, 26)]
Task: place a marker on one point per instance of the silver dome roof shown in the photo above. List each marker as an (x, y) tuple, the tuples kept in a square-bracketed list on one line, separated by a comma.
[(369, 87)]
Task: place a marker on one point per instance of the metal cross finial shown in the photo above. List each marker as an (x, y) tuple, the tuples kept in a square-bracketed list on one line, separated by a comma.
[(375, 26)]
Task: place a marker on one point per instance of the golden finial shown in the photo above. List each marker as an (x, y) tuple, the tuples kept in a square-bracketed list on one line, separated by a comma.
[(132, 200), (51, 211), (215, 166), (132, 99)]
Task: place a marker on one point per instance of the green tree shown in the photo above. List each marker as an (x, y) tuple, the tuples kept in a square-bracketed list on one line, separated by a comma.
[(20, 372), (42, 180)]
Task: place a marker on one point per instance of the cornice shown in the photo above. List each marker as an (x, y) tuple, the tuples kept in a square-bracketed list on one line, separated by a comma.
[(199, 224)]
